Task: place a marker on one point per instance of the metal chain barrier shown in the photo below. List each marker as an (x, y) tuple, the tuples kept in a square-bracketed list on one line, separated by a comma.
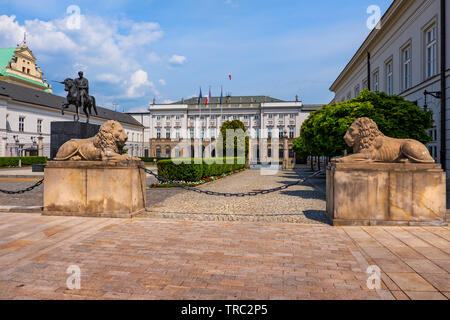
[(229, 195), (37, 184)]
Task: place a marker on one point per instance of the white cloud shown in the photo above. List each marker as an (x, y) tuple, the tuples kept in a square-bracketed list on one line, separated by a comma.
[(111, 49), (168, 101), (162, 82), (153, 57), (138, 84), (177, 60)]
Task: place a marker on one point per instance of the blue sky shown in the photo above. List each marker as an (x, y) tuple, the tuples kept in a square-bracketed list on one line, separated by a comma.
[(133, 51)]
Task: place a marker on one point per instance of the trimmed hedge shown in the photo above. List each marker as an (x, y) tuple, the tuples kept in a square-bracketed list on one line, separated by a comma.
[(27, 161), (190, 171)]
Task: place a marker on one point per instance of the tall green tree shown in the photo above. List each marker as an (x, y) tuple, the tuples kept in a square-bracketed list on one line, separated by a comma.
[(322, 133), (233, 137)]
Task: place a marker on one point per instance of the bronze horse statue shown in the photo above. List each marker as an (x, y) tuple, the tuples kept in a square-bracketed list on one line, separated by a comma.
[(73, 98)]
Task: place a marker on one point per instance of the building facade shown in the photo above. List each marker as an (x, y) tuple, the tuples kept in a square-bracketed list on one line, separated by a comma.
[(26, 115), (407, 56), (18, 65), (189, 129)]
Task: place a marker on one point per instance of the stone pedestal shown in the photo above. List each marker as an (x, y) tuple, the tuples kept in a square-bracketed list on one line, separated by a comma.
[(386, 194), (63, 131), (94, 189)]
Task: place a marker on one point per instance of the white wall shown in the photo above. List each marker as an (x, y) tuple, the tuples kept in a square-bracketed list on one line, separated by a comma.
[(11, 111)]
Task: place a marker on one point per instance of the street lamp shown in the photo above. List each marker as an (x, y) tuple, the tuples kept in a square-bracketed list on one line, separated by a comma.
[(435, 94)]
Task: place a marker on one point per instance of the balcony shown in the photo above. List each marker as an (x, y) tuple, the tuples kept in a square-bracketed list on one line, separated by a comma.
[(246, 123), (177, 124), (292, 122), (280, 122), (168, 124), (158, 124), (212, 123), (191, 123), (256, 123), (270, 123)]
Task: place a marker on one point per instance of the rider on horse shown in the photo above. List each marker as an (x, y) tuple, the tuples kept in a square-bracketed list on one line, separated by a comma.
[(83, 89)]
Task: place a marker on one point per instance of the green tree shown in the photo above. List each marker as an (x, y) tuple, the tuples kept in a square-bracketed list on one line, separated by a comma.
[(239, 131), (322, 133)]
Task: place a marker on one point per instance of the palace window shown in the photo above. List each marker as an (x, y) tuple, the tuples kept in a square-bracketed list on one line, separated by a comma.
[(202, 133), (430, 52), (280, 153), (212, 133), (269, 133), (39, 126), (281, 116), (158, 118), (224, 117), (235, 117), (389, 78), (191, 118), (357, 91), (280, 133), (192, 133), (365, 84), (178, 135), (245, 117), (158, 152), (213, 117), (168, 117), (257, 117), (167, 133), (406, 67), (269, 153), (178, 118), (376, 81), (292, 116), (21, 124), (291, 132), (270, 116), (158, 133)]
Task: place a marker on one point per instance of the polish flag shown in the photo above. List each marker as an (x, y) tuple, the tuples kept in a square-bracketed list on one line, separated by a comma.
[(229, 76)]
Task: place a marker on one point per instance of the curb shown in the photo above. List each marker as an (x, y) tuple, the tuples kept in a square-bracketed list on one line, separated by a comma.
[(18, 209)]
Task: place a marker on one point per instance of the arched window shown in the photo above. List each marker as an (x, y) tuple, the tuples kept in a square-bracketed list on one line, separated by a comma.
[(158, 151), (168, 151)]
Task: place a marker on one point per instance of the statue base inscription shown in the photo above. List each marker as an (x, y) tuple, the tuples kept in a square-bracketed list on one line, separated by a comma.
[(94, 189), (391, 194)]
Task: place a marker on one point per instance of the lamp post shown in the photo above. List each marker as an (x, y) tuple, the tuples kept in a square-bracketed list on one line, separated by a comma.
[(285, 150)]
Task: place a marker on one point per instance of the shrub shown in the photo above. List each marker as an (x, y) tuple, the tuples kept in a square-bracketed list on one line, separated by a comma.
[(322, 133), (191, 171), (27, 161)]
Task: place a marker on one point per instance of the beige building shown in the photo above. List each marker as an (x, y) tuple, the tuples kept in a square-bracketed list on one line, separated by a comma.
[(407, 56), (189, 129), (18, 66)]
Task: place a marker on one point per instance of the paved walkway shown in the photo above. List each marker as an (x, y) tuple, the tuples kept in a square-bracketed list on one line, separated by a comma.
[(298, 204), (172, 259)]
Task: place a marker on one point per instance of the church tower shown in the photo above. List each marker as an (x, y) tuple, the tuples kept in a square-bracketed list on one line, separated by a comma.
[(18, 65)]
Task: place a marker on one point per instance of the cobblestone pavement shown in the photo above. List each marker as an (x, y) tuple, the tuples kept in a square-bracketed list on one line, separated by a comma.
[(298, 204), (176, 259)]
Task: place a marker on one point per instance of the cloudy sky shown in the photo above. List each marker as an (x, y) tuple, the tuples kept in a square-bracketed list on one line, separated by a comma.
[(134, 51)]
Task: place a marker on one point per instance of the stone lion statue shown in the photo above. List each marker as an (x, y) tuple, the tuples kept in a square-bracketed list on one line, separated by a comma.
[(371, 145), (105, 146)]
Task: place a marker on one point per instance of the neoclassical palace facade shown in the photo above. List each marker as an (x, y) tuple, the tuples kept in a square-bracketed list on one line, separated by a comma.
[(190, 129)]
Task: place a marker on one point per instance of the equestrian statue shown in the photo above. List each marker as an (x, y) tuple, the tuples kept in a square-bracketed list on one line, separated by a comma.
[(78, 95)]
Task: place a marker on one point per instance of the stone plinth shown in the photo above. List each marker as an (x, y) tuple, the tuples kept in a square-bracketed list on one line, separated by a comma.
[(94, 189), (386, 194), (63, 131)]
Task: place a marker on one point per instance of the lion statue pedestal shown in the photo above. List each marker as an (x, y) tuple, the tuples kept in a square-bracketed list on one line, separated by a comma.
[(385, 182), (90, 178)]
